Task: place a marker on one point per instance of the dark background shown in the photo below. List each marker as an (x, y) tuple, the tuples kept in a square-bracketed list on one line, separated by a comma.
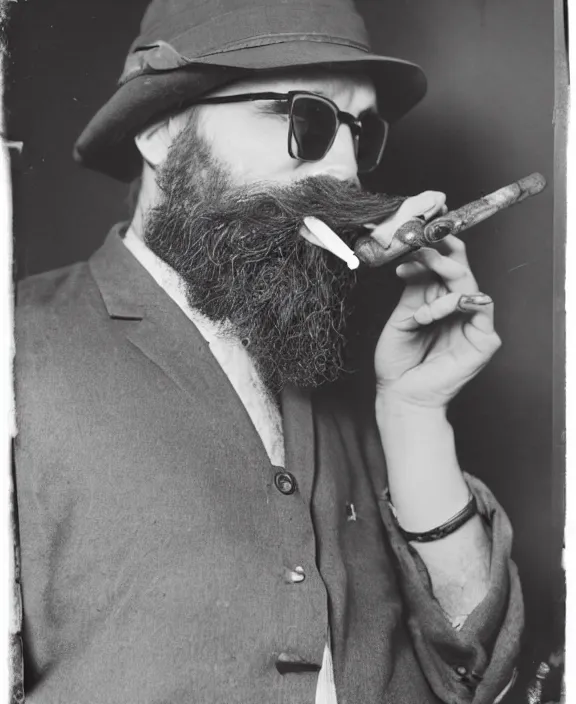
[(487, 121)]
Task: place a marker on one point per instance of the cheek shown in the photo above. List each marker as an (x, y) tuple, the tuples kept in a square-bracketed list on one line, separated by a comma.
[(254, 150)]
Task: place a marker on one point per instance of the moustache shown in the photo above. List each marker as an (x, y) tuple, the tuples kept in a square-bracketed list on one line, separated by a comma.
[(344, 206)]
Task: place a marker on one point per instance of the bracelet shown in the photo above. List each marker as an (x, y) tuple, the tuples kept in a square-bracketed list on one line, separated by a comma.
[(452, 525)]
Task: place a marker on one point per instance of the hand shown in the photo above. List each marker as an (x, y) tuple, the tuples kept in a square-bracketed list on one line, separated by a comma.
[(440, 335)]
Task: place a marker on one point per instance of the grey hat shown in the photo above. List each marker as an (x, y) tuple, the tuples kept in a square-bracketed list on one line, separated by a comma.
[(188, 48)]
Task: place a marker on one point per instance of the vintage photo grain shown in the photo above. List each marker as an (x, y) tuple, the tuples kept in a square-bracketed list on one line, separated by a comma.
[(288, 285)]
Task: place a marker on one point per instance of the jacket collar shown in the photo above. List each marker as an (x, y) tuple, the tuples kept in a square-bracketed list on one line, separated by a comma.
[(153, 321), (126, 287)]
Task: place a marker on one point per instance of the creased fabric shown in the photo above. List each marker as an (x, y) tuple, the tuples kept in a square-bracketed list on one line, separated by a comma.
[(155, 543)]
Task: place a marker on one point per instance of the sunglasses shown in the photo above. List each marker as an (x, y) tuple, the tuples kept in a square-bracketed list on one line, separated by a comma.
[(314, 123)]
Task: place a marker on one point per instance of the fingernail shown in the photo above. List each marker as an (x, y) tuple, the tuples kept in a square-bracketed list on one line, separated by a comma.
[(473, 301)]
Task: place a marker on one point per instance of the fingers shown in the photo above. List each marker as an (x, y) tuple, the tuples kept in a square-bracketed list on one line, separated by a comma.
[(412, 270), (426, 205), (479, 307), (455, 274), (479, 330), (482, 308), (453, 247), (415, 273), (422, 286), (437, 309)]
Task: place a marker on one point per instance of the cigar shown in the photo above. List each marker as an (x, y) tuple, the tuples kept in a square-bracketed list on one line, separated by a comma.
[(416, 232)]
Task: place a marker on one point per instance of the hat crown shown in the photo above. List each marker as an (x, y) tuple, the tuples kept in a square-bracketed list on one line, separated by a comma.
[(196, 28), (187, 48)]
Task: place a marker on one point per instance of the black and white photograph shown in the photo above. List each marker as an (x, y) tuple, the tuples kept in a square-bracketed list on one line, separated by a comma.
[(287, 351)]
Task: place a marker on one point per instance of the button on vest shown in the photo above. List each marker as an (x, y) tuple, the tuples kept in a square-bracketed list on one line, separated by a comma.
[(285, 482)]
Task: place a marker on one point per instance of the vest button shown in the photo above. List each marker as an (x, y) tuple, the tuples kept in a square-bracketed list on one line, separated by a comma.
[(285, 483), (294, 576)]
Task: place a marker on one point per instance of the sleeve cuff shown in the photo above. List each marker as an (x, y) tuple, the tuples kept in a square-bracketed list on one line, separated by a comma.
[(474, 662)]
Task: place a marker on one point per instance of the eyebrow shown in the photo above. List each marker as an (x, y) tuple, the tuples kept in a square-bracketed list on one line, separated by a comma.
[(266, 105), (362, 113), (372, 109)]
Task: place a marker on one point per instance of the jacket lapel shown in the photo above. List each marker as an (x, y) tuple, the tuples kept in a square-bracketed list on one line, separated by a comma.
[(157, 326)]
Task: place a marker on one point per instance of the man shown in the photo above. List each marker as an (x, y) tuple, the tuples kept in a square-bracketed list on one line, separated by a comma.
[(202, 517)]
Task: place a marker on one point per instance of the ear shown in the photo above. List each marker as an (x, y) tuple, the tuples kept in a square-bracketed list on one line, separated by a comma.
[(154, 142)]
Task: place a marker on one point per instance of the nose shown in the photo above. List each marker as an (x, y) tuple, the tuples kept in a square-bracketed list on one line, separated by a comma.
[(340, 161)]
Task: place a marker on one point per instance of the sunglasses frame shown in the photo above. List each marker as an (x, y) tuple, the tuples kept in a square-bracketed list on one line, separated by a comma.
[(291, 97)]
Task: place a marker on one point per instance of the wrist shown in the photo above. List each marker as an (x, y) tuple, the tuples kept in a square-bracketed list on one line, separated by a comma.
[(393, 410), (424, 477), (443, 530)]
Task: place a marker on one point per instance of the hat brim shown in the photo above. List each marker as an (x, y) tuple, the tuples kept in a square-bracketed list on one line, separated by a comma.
[(107, 143)]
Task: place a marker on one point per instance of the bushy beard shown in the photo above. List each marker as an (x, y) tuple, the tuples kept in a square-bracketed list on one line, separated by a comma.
[(246, 267)]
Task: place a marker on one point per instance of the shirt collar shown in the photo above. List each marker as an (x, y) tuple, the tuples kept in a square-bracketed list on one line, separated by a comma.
[(172, 283)]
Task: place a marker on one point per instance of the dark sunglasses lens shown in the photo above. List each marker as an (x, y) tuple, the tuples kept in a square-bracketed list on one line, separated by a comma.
[(314, 124), (371, 142)]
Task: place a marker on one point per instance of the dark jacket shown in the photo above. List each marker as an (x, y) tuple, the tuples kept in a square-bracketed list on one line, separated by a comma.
[(156, 546)]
